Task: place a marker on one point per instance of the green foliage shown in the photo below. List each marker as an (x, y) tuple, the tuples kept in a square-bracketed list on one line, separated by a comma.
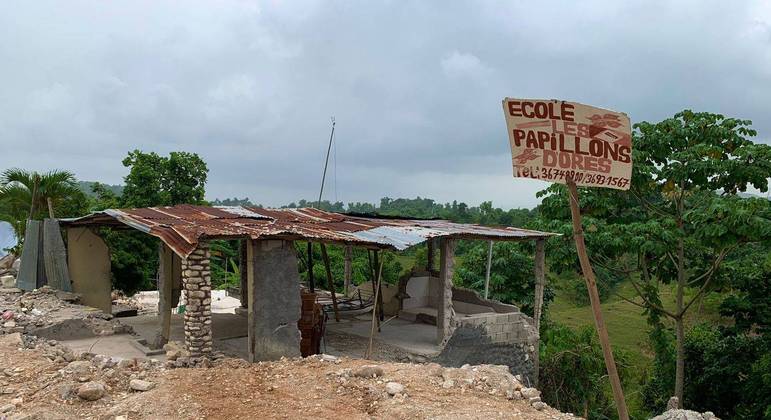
[(155, 180), (224, 264), (361, 265), (726, 373), (25, 195), (572, 375), (512, 277), (152, 180)]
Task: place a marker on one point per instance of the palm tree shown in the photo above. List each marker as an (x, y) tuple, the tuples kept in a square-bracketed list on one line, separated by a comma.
[(25, 195)]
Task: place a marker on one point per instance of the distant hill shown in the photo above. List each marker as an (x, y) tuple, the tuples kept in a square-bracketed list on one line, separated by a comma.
[(85, 186)]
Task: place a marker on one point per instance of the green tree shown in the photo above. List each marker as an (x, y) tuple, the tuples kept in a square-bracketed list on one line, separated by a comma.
[(152, 180), (682, 216), (572, 373), (25, 195), (155, 180), (512, 275)]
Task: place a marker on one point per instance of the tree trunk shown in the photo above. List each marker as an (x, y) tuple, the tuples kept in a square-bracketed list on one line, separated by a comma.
[(679, 321)]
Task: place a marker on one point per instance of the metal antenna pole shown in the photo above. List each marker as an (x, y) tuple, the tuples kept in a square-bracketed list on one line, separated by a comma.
[(326, 163)]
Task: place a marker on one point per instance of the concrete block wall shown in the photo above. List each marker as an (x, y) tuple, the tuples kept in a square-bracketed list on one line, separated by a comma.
[(503, 337)]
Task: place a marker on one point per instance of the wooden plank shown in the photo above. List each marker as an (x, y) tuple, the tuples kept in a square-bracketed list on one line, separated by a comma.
[(55, 256), (27, 277)]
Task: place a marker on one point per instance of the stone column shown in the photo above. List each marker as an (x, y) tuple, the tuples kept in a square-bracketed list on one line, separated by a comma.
[(445, 317), (196, 281)]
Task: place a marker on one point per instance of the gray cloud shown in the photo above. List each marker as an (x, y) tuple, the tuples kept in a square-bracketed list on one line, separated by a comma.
[(415, 86)]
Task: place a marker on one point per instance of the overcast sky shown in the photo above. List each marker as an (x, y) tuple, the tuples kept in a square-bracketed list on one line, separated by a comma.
[(416, 87)]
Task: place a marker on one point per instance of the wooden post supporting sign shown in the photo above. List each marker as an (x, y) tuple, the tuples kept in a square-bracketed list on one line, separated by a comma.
[(574, 144), (594, 298)]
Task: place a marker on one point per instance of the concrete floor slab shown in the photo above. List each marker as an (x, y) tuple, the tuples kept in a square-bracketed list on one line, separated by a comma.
[(117, 346), (415, 338)]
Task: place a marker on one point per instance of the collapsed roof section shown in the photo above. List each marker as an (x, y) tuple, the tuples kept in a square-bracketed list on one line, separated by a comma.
[(182, 226)]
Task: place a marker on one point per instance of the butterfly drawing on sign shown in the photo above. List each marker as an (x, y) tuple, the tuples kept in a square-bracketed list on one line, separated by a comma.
[(526, 156)]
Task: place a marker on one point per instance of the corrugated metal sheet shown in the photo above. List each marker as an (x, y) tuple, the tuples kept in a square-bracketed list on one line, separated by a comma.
[(181, 227)]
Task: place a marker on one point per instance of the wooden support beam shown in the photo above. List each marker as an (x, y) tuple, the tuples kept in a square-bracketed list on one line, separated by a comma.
[(430, 252), (379, 294), (489, 266), (445, 311), (347, 270), (311, 283), (540, 280), (251, 339), (243, 273), (330, 280)]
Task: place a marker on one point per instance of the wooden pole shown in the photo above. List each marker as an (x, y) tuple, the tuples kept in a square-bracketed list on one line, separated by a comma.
[(330, 280), (347, 269), (374, 314), (540, 280), (594, 298), (430, 251), (379, 294), (311, 283), (489, 266)]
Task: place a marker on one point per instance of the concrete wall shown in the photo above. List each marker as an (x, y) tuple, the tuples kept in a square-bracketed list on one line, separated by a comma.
[(88, 260), (274, 300), (504, 337)]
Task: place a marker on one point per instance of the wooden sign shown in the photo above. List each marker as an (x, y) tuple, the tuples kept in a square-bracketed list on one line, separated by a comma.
[(555, 140)]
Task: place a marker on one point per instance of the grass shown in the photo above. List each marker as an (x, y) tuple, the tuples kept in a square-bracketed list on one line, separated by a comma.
[(627, 325)]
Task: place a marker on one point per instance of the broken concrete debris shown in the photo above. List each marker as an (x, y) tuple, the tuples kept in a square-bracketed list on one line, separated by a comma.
[(91, 391)]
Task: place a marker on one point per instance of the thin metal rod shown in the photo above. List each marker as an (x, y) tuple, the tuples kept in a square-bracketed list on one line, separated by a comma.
[(326, 163)]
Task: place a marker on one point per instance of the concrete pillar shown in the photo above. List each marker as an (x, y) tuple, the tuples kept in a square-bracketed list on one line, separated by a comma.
[(445, 313), (274, 300), (196, 281), (88, 260), (165, 291)]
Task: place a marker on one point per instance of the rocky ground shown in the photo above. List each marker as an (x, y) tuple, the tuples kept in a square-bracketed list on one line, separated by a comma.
[(43, 380)]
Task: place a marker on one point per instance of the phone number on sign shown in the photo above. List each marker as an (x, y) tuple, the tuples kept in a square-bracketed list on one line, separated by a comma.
[(585, 178)]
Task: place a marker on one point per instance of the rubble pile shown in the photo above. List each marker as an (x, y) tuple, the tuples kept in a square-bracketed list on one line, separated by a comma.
[(53, 314), (494, 380), (9, 269)]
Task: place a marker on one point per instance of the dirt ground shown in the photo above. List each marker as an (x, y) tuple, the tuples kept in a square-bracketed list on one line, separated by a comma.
[(36, 387)]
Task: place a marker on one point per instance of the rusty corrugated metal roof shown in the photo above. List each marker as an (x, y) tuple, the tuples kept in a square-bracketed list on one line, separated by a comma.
[(182, 226)]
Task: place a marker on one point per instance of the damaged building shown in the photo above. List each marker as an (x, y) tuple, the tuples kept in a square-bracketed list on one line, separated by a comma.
[(428, 315)]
